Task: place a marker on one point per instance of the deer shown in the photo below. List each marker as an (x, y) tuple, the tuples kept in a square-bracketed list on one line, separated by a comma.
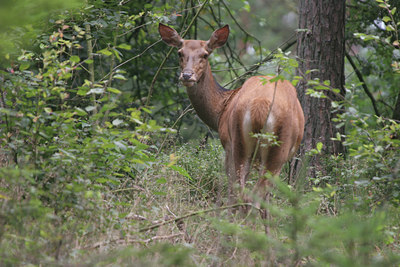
[(257, 106)]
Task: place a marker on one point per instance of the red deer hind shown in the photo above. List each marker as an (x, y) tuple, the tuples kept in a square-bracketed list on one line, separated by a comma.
[(235, 114)]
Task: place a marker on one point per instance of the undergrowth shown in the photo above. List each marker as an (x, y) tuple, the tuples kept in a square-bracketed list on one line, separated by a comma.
[(87, 177), (317, 224)]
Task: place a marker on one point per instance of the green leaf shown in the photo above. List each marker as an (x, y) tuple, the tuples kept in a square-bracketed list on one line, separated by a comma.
[(319, 146), (246, 6), (161, 181), (75, 59), (120, 77), (124, 46), (386, 19), (146, 110), (24, 66), (321, 87), (338, 136), (105, 52), (181, 171), (102, 180), (390, 28), (80, 112), (113, 90), (96, 91)]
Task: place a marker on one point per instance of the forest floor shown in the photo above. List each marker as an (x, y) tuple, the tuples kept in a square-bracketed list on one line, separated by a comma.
[(176, 214)]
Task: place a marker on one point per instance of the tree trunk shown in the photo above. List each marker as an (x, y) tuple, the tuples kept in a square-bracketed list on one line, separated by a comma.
[(320, 46)]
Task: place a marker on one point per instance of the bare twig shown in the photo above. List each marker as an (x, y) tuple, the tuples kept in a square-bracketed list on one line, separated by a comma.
[(364, 85), (187, 109), (135, 217), (130, 240), (284, 47), (90, 65), (196, 213), (130, 59)]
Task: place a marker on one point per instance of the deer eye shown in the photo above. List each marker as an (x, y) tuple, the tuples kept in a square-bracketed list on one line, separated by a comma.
[(205, 56), (180, 54)]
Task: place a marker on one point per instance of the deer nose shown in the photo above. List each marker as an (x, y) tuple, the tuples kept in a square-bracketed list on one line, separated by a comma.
[(186, 75)]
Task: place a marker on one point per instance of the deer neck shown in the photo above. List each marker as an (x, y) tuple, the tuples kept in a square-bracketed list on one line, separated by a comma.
[(208, 99)]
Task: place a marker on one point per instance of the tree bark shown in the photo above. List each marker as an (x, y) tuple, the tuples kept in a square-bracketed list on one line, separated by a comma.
[(320, 46)]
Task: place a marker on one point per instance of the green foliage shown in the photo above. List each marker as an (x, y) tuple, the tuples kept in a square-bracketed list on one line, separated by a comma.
[(19, 20), (203, 176), (373, 32), (85, 165), (67, 143)]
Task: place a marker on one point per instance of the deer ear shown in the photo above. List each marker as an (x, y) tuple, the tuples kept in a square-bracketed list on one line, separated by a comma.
[(170, 36), (218, 38)]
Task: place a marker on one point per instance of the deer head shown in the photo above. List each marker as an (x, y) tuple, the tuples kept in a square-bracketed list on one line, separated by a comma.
[(193, 54)]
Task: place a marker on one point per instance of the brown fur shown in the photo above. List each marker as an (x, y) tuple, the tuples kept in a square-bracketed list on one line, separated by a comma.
[(258, 105), (259, 112)]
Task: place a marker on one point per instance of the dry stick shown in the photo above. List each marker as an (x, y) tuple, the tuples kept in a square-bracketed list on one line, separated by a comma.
[(132, 58), (233, 55), (187, 109), (128, 240), (285, 46), (170, 52), (108, 83), (364, 85), (91, 65), (154, 226), (240, 26)]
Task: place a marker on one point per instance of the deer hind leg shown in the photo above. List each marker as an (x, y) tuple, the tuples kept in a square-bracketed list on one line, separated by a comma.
[(237, 169), (242, 173), (238, 156), (273, 159), (242, 162)]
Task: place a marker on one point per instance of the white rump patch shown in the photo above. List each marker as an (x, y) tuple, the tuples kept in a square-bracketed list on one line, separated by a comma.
[(247, 129), (271, 123)]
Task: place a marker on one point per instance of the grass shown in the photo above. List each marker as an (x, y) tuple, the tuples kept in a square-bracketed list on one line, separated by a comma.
[(317, 225)]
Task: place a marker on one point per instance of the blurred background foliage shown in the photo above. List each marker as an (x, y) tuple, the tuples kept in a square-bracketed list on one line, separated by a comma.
[(98, 139)]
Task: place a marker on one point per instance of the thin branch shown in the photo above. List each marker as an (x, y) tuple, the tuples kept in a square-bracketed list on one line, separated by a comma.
[(284, 47), (187, 109), (364, 85), (130, 59), (233, 55), (90, 65), (240, 26), (196, 213), (130, 240)]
